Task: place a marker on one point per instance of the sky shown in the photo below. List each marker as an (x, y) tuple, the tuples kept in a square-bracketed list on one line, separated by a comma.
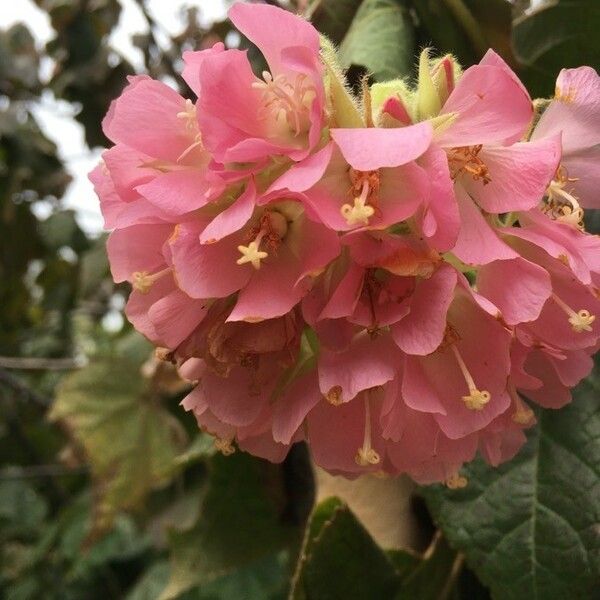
[(56, 117)]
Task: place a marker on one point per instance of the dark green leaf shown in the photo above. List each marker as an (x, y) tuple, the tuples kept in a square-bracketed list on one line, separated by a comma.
[(341, 560), (239, 523), (530, 529), (432, 576), (558, 35), (333, 18), (440, 29), (381, 38)]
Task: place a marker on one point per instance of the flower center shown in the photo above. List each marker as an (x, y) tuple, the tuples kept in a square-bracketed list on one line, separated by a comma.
[(365, 191), (581, 320), (142, 281), (476, 399), (188, 115), (366, 454), (289, 102), (269, 233), (465, 159), (562, 205)]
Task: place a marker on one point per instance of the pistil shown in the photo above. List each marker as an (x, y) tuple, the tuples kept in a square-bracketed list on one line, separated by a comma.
[(581, 320), (143, 281), (272, 229), (365, 189), (366, 454), (476, 399)]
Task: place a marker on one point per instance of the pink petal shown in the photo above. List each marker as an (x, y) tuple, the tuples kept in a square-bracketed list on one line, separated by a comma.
[(233, 218), (206, 271), (175, 316), (417, 389), (373, 148), (145, 118), (271, 290), (234, 399), (291, 410), (335, 433), (575, 112), (128, 168), (177, 192), (138, 308), (193, 65), (478, 243), (304, 174), (422, 330), (491, 107), (344, 298), (519, 288), (585, 167), (440, 221), (318, 246), (137, 248), (272, 29), (519, 175), (366, 364)]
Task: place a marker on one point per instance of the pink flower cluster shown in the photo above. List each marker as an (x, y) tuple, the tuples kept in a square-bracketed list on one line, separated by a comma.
[(392, 279)]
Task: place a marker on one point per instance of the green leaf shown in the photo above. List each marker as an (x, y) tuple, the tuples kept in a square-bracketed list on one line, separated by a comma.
[(440, 28), (239, 523), (22, 509), (530, 529), (432, 576), (340, 559), (557, 35), (381, 39), (333, 18), (130, 441)]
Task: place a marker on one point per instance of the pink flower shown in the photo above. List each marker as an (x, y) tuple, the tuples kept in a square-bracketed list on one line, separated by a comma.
[(574, 114), (246, 119), (394, 295), (257, 246)]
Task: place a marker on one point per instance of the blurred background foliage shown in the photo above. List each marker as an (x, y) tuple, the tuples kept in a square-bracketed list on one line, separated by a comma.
[(107, 490)]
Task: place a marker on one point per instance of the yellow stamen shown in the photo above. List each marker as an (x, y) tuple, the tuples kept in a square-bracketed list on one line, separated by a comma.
[(224, 446), (251, 254), (476, 399), (581, 320), (561, 204), (334, 395), (456, 481), (142, 281), (465, 159), (360, 212), (290, 101), (367, 455)]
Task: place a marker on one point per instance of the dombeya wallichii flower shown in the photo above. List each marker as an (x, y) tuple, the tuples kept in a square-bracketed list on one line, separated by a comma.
[(394, 281)]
